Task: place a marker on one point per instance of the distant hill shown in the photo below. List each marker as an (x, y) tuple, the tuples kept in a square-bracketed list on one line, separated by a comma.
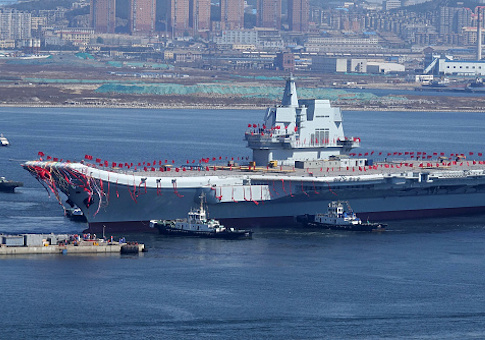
[(435, 5), (35, 5)]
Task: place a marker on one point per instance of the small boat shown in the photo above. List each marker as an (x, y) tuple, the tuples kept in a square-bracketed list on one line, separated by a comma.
[(9, 186), (197, 224), (75, 214), (4, 141), (340, 216)]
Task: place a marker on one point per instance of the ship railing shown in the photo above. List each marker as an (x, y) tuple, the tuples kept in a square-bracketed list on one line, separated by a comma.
[(353, 142), (454, 174), (267, 133), (298, 143), (264, 139)]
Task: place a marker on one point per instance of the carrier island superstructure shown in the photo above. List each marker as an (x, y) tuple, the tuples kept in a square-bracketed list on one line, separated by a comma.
[(300, 163)]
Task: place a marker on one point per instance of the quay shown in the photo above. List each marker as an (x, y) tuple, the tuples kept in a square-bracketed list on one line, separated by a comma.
[(24, 244)]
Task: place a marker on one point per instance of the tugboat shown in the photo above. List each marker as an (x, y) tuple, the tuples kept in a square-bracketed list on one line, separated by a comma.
[(9, 186), (340, 216), (75, 214), (4, 141), (197, 224)]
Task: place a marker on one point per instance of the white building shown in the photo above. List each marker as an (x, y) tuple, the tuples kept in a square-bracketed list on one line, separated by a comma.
[(15, 25), (246, 37), (384, 68), (392, 4), (345, 65), (342, 45), (265, 39), (462, 67)]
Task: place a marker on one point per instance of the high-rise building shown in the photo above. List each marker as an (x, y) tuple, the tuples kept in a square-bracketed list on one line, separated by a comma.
[(269, 13), (298, 15), (200, 15), (103, 16), (232, 14), (179, 17), (14, 25), (142, 16)]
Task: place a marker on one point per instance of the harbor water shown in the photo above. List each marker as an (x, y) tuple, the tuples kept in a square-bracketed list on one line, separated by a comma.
[(420, 279)]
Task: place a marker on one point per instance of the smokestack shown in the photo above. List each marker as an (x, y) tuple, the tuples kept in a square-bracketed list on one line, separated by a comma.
[(479, 37)]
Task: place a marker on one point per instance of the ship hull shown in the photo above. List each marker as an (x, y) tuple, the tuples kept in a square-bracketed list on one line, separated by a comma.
[(235, 235), (122, 202), (290, 221), (9, 186)]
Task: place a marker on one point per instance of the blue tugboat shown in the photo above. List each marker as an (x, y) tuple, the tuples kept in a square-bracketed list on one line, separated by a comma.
[(9, 186), (4, 141), (340, 216), (197, 224)]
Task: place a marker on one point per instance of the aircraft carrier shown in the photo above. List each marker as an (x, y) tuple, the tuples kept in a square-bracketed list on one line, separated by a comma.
[(301, 161)]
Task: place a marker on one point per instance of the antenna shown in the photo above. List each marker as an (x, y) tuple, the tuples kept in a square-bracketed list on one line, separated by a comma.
[(479, 37)]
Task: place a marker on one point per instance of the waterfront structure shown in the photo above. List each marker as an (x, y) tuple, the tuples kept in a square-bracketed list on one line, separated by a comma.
[(461, 67), (298, 15), (232, 14), (103, 15), (142, 16), (338, 65), (376, 67), (269, 13)]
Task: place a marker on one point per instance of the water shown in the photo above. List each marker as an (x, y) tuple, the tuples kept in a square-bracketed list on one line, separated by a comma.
[(420, 279)]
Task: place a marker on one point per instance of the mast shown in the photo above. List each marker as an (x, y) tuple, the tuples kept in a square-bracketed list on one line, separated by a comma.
[(479, 37), (290, 97)]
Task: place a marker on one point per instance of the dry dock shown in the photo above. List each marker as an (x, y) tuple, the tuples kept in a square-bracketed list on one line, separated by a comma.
[(64, 244)]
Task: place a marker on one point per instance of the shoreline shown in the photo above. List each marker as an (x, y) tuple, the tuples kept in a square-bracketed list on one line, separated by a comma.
[(231, 107)]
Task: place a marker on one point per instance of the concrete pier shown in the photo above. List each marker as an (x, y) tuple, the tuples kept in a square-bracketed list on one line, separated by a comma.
[(29, 244)]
